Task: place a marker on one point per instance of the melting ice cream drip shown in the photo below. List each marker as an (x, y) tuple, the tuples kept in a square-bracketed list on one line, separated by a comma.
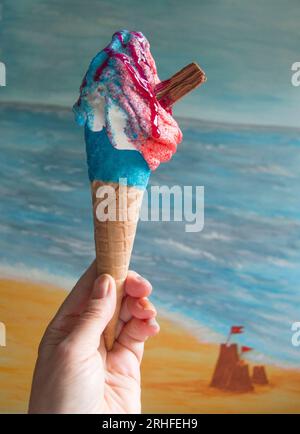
[(117, 93)]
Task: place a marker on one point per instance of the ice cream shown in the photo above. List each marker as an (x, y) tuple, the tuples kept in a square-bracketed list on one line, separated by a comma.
[(128, 133), (117, 94)]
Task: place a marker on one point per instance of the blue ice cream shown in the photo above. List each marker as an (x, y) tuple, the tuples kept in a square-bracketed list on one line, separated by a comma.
[(127, 132), (107, 163)]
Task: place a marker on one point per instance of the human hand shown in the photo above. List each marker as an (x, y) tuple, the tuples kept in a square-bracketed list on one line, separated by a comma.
[(74, 373)]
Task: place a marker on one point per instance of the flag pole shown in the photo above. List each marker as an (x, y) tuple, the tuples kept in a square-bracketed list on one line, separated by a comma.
[(228, 337)]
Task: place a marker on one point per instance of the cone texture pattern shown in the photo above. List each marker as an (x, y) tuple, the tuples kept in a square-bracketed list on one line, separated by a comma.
[(116, 211)]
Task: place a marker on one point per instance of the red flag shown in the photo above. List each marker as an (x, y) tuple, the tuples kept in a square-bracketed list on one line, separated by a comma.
[(246, 349), (236, 330)]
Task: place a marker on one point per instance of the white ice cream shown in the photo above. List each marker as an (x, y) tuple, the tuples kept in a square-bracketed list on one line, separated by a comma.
[(115, 117)]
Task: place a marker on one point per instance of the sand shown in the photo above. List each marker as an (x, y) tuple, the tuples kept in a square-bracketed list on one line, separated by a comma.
[(176, 369)]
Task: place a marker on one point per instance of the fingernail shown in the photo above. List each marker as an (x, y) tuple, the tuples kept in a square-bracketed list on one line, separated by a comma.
[(142, 279), (139, 277), (145, 304), (101, 286), (153, 323)]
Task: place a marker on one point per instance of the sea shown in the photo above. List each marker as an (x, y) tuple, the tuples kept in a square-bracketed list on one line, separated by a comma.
[(243, 268)]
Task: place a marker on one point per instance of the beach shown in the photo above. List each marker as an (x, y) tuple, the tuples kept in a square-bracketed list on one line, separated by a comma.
[(176, 368), (234, 271)]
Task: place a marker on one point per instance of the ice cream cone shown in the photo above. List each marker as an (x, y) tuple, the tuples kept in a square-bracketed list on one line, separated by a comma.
[(129, 131), (114, 230)]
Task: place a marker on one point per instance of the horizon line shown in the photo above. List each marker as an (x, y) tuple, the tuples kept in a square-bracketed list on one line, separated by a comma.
[(63, 108)]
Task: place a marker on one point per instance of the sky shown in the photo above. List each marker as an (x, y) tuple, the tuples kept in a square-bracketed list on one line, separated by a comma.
[(245, 47)]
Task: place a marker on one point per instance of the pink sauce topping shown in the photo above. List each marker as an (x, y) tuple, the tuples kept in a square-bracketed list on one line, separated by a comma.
[(127, 77)]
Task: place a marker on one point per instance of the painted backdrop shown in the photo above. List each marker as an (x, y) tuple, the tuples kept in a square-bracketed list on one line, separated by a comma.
[(241, 142)]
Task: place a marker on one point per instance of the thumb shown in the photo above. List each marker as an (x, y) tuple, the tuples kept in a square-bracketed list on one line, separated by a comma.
[(96, 315)]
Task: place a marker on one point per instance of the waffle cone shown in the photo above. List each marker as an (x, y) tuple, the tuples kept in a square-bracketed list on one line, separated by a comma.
[(114, 231)]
